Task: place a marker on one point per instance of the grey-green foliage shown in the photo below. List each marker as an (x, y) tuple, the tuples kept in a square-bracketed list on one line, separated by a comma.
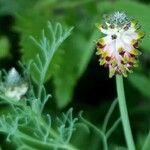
[(74, 55), (66, 126), (47, 48), (103, 132), (25, 124)]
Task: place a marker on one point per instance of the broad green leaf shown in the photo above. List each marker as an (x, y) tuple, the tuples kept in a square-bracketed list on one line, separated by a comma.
[(141, 82), (4, 47), (11, 7), (74, 63), (20, 6)]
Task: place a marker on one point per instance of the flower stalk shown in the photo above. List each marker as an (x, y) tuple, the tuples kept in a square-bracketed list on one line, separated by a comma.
[(124, 113), (118, 51)]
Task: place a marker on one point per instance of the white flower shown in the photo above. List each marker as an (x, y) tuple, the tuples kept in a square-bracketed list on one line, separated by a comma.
[(16, 92), (15, 86), (13, 77), (118, 48)]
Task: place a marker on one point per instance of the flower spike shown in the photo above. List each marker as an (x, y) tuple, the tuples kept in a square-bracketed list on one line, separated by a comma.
[(118, 48)]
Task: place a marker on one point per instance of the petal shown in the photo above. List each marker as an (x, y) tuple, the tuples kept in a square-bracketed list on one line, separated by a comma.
[(110, 47), (128, 47), (108, 30), (130, 38), (126, 39), (119, 45), (140, 34), (107, 39)]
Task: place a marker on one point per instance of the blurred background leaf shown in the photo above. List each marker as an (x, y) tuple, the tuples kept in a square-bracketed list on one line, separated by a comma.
[(4, 47), (141, 82)]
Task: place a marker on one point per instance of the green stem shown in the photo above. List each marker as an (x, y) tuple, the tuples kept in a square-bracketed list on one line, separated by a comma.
[(108, 115), (105, 143), (98, 131), (124, 113), (33, 141)]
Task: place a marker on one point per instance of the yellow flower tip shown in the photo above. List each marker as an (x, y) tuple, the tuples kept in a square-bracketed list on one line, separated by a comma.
[(111, 72), (140, 34), (104, 54), (98, 52), (98, 25), (125, 59), (135, 52), (120, 49), (114, 63), (134, 22), (101, 42), (134, 41), (132, 59), (102, 62)]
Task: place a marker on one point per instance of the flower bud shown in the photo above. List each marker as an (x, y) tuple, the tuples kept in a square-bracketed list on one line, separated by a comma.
[(15, 85)]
